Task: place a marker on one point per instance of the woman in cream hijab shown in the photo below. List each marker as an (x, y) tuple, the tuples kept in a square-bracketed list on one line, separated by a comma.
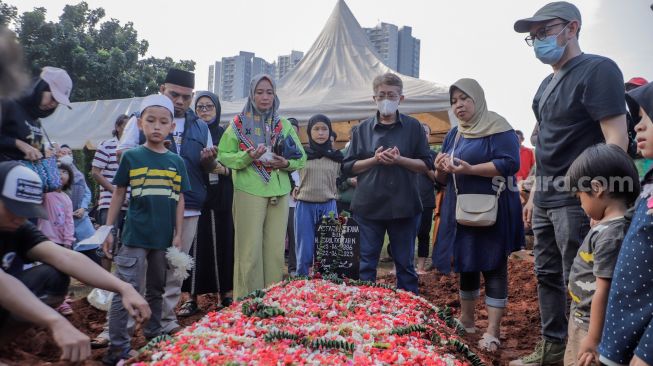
[(480, 152)]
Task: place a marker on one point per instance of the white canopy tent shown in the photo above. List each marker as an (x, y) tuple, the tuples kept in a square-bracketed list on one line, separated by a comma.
[(334, 78)]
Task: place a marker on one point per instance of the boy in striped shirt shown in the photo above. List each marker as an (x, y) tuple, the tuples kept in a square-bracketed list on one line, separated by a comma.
[(157, 178)]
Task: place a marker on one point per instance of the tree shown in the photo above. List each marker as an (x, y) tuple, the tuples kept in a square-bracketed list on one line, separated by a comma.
[(106, 60), (8, 14)]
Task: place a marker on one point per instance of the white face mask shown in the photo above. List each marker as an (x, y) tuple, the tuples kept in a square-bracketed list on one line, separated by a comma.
[(66, 159), (387, 107)]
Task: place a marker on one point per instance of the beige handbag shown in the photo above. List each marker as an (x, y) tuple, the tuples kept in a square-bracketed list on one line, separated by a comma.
[(475, 209)]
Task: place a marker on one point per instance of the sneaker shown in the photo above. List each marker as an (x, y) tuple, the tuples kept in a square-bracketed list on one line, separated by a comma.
[(65, 309), (545, 353)]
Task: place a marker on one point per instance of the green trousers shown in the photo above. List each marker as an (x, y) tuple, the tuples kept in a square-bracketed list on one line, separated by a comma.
[(260, 233)]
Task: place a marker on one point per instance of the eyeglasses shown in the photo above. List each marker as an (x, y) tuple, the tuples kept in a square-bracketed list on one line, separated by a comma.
[(391, 96), (542, 33), (205, 108)]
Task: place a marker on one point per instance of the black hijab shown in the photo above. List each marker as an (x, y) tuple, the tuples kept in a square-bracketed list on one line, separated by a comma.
[(317, 151), (214, 126)]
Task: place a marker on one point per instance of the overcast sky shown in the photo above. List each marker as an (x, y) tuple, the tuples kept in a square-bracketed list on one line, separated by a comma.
[(466, 38)]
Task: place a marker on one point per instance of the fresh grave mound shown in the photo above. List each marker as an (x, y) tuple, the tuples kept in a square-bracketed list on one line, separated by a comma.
[(319, 322)]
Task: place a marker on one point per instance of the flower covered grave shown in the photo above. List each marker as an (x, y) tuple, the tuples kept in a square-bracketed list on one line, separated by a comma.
[(318, 322)]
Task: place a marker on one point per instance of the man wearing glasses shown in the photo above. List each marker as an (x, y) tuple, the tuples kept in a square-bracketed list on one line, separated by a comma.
[(579, 105), (192, 141), (385, 152)]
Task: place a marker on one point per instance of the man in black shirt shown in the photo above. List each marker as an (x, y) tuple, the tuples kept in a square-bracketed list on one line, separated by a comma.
[(26, 294), (579, 105), (385, 153)]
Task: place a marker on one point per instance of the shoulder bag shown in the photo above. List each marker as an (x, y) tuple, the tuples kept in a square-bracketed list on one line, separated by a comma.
[(475, 209)]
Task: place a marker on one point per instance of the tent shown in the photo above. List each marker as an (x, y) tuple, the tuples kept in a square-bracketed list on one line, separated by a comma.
[(334, 78)]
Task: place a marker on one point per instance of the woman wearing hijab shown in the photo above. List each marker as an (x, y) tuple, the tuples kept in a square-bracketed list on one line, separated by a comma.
[(482, 148), (261, 186), (317, 190), (213, 247)]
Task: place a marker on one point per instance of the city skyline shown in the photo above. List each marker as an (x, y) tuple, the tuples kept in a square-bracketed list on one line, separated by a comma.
[(396, 47)]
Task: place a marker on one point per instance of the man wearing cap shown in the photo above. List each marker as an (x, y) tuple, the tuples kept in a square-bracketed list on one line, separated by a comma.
[(26, 294), (21, 133), (192, 141), (579, 105)]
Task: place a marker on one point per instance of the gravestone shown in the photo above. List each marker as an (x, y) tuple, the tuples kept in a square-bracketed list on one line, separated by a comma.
[(337, 247)]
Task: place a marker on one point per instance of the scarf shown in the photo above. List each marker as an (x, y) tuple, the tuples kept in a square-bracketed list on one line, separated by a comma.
[(317, 151), (253, 127), (483, 123)]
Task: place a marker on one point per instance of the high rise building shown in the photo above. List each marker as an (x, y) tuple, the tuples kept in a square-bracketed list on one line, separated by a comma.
[(409, 52), (385, 39), (397, 47), (235, 76), (286, 63), (230, 77), (215, 79), (260, 66)]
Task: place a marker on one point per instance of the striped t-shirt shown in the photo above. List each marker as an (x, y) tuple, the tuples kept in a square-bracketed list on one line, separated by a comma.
[(106, 160), (156, 181)]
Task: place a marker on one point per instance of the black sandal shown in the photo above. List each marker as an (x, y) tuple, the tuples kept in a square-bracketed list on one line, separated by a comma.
[(187, 309)]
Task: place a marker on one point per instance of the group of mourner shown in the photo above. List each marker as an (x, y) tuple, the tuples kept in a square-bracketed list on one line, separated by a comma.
[(237, 196)]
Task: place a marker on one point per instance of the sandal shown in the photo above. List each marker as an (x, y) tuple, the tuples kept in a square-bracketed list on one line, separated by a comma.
[(489, 343), (99, 342), (470, 330), (187, 309)]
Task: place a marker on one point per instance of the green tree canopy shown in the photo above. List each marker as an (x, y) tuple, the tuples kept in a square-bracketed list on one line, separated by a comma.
[(106, 60)]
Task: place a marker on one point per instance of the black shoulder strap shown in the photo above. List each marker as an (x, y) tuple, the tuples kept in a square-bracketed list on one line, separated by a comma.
[(555, 80)]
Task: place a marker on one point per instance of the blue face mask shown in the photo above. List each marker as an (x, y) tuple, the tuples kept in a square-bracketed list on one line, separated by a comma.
[(548, 50)]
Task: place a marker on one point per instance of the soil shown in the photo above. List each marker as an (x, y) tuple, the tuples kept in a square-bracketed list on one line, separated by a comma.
[(519, 333)]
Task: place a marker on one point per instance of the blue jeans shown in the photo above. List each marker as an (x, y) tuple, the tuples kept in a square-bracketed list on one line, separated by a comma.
[(402, 234), (307, 217), (559, 233)]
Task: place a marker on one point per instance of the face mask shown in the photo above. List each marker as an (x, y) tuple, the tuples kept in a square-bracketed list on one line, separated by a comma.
[(66, 159), (548, 50), (387, 107)]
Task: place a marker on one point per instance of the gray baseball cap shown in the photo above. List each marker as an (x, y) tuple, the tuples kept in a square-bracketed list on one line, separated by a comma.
[(21, 190), (550, 11)]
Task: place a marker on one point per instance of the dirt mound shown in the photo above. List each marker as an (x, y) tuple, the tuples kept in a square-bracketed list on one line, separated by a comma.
[(520, 326)]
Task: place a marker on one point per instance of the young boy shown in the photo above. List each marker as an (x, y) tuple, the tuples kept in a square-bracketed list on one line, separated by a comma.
[(606, 182), (157, 178)]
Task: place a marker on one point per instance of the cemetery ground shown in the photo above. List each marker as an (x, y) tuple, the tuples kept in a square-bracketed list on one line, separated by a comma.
[(519, 332)]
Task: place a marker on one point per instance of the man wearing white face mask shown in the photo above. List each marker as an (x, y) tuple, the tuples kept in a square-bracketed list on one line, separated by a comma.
[(386, 151), (579, 105)]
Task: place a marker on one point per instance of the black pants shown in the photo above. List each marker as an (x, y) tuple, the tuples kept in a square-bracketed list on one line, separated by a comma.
[(290, 234), (496, 285), (46, 282), (424, 233)]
